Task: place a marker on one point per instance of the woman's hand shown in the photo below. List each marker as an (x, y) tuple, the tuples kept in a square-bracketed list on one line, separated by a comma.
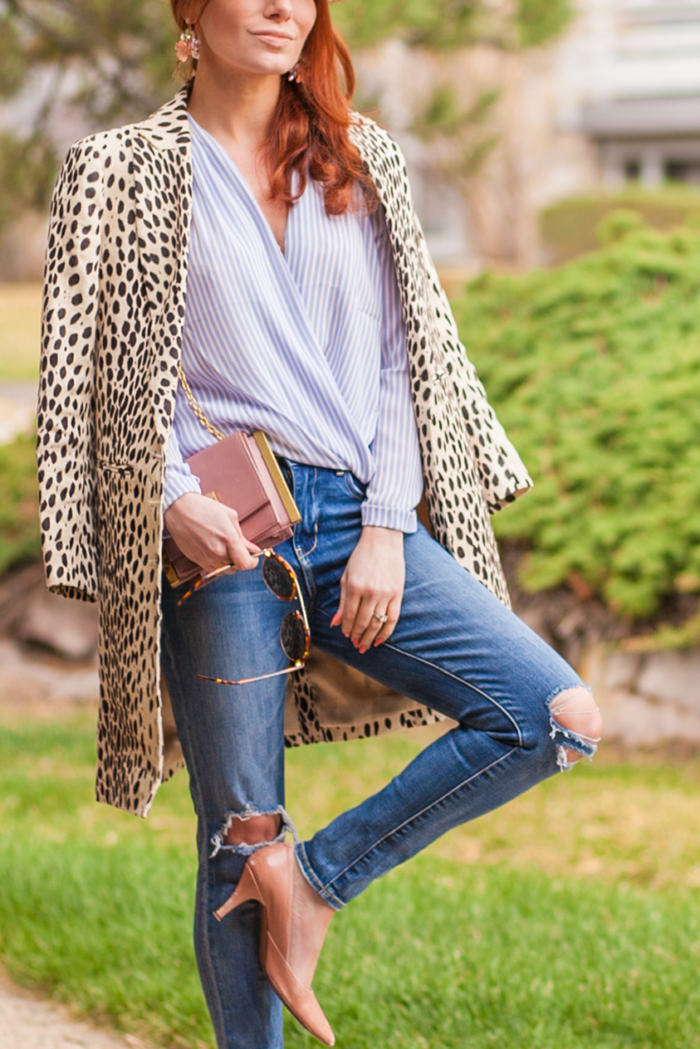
[(209, 533), (373, 581)]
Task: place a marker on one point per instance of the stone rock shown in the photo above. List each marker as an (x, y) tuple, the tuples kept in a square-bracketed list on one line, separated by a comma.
[(66, 627), (35, 683), (648, 699), (638, 722), (672, 677), (621, 670), (16, 589)]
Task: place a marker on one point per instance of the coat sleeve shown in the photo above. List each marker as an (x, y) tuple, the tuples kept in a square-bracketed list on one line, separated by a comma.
[(502, 472), (65, 422)]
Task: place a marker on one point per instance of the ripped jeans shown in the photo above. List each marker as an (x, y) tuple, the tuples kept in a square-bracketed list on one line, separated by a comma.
[(456, 648)]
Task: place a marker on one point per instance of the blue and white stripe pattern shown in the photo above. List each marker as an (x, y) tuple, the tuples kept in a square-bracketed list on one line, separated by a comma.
[(308, 346)]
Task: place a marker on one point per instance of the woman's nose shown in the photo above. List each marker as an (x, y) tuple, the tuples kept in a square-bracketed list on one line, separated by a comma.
[(281, 10)]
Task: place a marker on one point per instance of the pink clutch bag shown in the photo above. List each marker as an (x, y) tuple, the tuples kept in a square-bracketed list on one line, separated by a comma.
[(242, 472)]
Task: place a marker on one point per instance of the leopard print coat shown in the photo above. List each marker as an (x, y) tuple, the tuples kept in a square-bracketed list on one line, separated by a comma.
[(113, 311)]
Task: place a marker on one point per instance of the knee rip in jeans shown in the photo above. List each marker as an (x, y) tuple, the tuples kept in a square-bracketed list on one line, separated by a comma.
[(576, 725), (219, 842)]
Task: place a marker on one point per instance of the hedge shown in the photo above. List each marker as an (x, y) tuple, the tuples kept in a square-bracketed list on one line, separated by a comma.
[(594, 369), (568, 229)]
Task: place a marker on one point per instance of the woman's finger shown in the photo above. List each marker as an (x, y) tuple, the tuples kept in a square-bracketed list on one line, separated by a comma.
[(253, 548), (392, 613), (242, 553), (368, 636), (366, 625), (240, 556), (353, 596), (377, 628)]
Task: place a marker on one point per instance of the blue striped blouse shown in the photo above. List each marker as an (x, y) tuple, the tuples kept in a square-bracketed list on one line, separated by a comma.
[(308, 346)]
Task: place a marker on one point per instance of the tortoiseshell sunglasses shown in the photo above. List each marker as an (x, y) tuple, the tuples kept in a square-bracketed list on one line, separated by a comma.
[(295, 635)]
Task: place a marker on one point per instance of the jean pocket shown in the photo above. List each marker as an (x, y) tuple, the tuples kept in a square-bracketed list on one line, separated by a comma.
[(356, 488)]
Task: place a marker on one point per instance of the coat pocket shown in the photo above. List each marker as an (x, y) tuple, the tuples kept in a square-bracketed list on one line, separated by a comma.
[(122, 469), (129, 498)]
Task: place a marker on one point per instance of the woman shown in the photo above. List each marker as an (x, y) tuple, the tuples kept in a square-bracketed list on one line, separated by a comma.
[(258, 233)]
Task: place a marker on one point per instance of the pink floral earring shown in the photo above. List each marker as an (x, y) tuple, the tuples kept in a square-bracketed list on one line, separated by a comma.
[(293, 74), (187, 46)]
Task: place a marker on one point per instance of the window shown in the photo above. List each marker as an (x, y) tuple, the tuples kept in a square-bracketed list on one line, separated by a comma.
[(633, 170), (682, 171)]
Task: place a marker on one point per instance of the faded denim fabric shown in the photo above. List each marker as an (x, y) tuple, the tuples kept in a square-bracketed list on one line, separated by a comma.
[(456, 648)]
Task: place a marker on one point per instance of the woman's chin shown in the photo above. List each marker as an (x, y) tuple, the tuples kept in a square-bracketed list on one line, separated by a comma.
[(265, 65)]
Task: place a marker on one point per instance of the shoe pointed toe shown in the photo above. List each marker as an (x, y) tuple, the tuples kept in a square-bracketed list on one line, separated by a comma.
[(321, 1029), (301, 1001), (268, 878)]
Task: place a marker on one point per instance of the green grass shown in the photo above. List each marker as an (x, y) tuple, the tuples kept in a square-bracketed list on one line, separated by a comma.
[(20, 310), (95, 907)]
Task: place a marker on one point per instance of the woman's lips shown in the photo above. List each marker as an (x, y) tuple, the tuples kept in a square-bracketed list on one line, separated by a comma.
[(279, 39)]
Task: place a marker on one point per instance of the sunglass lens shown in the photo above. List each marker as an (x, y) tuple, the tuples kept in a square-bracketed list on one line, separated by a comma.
[(293, 637), (278, 578)]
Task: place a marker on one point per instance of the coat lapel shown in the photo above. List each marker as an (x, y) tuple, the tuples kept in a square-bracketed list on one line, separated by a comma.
[(161, 168), (167, 129)]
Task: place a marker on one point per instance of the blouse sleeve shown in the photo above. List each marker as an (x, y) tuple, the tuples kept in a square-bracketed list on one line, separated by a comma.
[(179, 479), (397, 484)]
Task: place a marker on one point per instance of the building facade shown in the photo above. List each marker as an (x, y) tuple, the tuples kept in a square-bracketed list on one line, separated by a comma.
[(630, 79), (615, 100)]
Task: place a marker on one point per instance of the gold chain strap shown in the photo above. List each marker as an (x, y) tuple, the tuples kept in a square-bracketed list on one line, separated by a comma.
[(195, 407)]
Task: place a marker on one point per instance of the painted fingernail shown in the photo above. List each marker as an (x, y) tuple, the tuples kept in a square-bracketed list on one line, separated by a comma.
[(363, 650)]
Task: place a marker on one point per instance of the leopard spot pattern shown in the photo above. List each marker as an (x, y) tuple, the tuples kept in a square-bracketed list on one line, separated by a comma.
[(113, 314)]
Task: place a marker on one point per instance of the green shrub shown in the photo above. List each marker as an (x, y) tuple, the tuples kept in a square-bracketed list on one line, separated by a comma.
[(19, 522), (595, 372), (569, 229)]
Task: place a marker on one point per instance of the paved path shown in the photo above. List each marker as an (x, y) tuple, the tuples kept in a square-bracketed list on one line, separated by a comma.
[(27, 1022)]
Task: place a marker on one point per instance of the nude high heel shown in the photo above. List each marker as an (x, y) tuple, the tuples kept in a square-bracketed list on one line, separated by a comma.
[(268, 878)]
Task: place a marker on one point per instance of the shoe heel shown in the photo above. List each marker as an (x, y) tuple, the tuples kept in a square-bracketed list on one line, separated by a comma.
[(246, 889)]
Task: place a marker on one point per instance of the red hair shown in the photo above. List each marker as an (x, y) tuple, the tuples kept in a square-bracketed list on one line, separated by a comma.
[(309, 128)]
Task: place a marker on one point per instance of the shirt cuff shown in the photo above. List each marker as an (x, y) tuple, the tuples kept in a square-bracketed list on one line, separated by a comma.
[(178, 485), (389, 517)]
